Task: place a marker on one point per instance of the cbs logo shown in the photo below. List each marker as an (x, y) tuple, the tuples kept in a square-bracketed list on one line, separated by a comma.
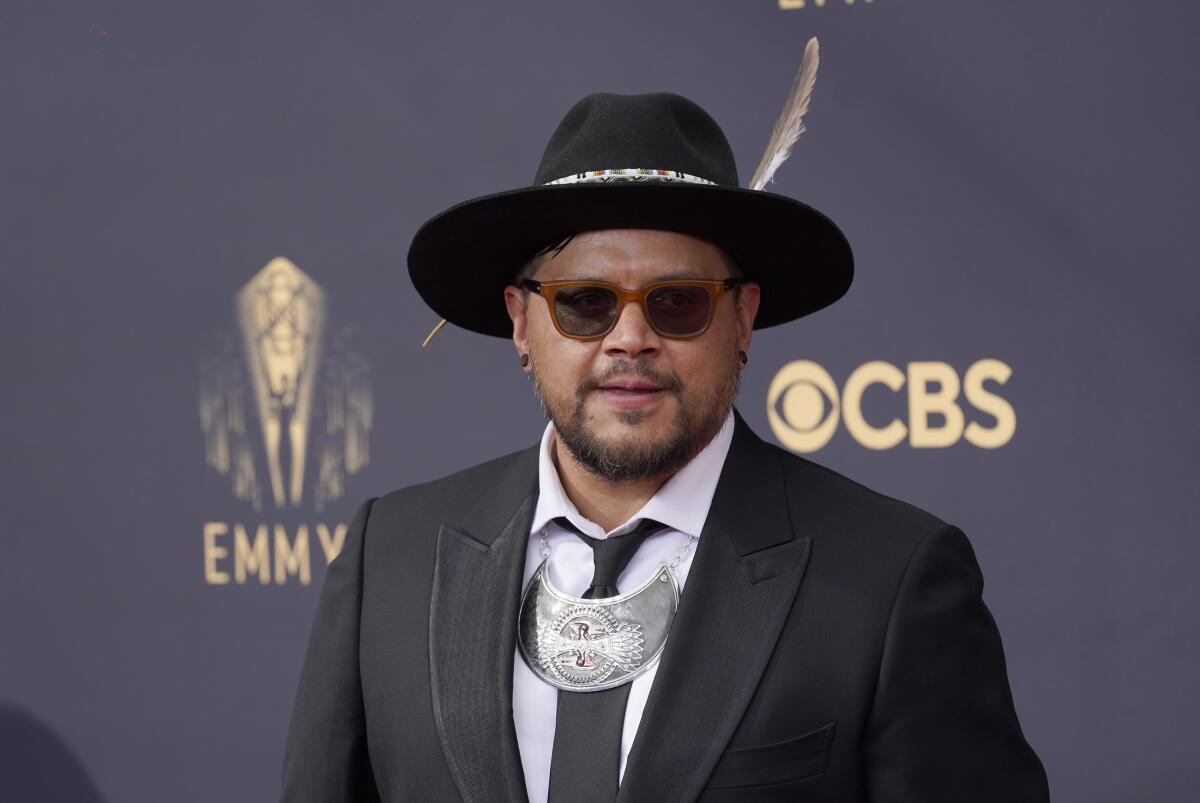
[(804, 405)]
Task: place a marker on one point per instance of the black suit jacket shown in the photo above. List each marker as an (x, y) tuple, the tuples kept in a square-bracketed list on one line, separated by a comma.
[(831, 645)]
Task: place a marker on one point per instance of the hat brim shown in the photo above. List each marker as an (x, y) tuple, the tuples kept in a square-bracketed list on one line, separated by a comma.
[(461, 260)]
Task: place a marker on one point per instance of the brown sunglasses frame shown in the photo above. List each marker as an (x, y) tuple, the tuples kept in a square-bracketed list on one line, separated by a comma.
[(548, 290)]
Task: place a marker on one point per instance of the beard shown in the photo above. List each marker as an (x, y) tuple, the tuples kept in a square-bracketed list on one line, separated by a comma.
[(699, 416)]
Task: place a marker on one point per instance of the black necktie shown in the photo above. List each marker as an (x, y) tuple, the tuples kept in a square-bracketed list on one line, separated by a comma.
[(586, 763)]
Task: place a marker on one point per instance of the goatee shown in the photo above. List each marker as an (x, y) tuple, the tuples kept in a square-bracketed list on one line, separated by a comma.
[(698, 420)]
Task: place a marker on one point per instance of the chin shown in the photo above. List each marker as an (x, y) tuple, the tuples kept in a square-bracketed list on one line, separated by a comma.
[(657, 417), (628, 428)]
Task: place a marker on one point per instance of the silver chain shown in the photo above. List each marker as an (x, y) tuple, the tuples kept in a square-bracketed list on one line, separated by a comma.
[(680, 554)]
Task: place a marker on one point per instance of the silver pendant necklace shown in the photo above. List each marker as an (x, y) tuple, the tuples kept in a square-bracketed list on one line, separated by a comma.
[(577, 644)]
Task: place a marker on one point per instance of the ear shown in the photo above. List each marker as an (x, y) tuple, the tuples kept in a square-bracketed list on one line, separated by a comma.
[(746, 310), (514, 301)]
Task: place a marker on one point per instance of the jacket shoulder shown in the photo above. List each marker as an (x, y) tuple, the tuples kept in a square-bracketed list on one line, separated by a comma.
[(824, 497), (857, 532)]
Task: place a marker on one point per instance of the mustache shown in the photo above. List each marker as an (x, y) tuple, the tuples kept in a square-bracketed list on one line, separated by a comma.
[(626, 369)]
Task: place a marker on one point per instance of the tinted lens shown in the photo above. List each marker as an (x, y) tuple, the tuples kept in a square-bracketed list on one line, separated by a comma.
[(585, 311), (679, 309)]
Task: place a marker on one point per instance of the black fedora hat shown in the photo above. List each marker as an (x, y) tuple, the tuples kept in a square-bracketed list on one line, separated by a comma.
[(646, 161)]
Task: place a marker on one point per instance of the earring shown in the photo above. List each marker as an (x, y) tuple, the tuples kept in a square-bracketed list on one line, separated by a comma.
[(524, 360), (743, 357)]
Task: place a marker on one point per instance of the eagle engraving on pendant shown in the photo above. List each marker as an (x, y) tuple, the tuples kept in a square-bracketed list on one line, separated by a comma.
[(577, 644), (585, 644)]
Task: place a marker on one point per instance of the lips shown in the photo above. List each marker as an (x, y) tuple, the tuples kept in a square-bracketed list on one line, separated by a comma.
[(632, 386), (631, 394)]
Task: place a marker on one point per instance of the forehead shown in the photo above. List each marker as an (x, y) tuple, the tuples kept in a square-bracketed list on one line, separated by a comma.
[(634, 256)]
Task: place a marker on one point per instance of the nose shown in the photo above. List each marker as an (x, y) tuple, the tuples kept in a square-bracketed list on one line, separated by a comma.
[(632, 335)]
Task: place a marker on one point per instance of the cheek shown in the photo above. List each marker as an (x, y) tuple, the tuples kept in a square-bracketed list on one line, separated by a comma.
[(700, 363), (697, 367), (726, 325), (561, 363)]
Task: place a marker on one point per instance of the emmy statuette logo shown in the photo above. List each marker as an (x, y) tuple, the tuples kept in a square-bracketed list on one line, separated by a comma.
[(286, 412)]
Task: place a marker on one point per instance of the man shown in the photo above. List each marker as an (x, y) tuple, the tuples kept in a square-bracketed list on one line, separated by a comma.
[(651, 603)]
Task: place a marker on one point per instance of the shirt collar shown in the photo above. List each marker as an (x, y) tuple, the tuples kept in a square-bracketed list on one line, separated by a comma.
[(681, 504)]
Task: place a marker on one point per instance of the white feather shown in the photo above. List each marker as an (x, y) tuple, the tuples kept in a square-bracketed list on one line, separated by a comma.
[(790, 124)]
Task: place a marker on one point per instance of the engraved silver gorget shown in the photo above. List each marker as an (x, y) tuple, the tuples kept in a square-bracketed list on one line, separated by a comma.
[(579, 644)]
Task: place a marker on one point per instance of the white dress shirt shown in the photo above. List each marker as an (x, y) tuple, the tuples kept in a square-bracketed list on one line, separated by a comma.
[(682, 505)]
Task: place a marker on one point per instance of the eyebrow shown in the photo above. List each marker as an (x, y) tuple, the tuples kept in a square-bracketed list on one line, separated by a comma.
[(662, 277)]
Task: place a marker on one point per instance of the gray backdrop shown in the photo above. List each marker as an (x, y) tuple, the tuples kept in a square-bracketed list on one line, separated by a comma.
[(1018, 181)]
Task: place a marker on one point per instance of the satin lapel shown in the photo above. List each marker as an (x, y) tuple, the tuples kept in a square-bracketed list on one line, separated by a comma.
[(472, 634), (744, 578)]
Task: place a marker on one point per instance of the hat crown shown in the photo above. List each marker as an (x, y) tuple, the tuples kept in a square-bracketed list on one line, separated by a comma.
[(656, 130)]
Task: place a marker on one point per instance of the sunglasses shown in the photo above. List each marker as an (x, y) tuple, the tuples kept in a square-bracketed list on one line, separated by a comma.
[(586, 310)]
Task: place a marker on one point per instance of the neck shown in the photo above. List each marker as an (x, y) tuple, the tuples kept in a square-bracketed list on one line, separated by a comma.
[(607, 503)]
